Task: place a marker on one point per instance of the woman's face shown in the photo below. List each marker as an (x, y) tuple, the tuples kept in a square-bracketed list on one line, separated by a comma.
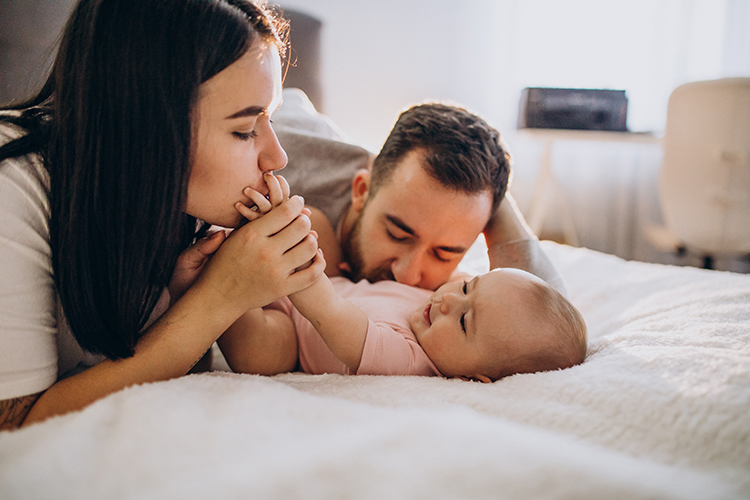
[(233, 140)]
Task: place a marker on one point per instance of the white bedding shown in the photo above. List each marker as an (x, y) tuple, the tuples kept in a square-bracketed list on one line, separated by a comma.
[(659, 409)]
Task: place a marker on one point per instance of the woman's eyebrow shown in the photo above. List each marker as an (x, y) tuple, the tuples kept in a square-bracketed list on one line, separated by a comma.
[(248, 111)]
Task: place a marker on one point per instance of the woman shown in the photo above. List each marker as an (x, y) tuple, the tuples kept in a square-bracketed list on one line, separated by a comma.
[(154, 119)]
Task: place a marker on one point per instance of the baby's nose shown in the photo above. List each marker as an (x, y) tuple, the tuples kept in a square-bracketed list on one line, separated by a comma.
[(447, 301)]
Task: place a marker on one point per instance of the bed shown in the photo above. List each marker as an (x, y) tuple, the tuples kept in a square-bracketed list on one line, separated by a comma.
[(659, 409)]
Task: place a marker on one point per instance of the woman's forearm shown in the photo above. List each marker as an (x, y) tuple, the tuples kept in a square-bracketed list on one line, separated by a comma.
[(168, 349)]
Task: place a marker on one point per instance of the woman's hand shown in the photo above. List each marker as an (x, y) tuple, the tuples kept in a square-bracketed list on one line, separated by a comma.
[(191, 262), (278, 192), (259, 262)]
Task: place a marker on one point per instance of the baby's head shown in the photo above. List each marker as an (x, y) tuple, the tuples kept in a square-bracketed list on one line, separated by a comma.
[(501, 323)]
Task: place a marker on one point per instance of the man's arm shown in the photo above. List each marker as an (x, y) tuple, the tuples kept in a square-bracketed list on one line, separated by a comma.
[(341, 324), (511, 243)]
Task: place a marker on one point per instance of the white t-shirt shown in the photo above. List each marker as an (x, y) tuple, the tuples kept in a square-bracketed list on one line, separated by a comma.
[(36, 344)]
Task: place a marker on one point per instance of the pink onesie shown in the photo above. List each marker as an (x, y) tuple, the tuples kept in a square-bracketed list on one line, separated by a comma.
[(390, 347)]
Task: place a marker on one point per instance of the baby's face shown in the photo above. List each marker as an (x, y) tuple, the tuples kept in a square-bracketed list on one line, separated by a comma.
[(458, 326)]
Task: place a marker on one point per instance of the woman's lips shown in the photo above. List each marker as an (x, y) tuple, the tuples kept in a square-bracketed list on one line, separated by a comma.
[(426, 313)]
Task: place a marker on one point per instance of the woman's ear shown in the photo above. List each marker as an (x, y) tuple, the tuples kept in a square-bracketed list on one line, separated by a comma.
[(360, 189)]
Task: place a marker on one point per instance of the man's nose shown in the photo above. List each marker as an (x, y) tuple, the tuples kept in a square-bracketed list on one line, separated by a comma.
[(407, 269), (272, 156)]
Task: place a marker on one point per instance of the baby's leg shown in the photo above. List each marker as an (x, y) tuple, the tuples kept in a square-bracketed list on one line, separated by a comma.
[(262, 342)]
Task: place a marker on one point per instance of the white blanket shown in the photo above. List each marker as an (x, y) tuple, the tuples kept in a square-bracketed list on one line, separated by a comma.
[(659, 409)]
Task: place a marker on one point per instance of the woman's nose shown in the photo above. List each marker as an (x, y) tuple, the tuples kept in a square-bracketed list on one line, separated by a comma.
[(272, 156)]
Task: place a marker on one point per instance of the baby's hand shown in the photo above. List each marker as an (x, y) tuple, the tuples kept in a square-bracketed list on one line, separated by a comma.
[(278, 192)]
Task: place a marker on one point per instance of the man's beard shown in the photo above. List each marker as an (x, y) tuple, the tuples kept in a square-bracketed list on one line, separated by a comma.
[(352, 250)]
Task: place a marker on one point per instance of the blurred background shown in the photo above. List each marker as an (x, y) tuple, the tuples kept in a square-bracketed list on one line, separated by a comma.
[(364, 62)]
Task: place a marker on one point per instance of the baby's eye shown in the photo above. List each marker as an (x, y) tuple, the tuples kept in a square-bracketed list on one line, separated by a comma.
[(245, 136), (463, 323), (465, 287)]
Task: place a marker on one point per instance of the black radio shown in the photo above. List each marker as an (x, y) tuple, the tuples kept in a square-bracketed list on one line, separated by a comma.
[(576, 109)]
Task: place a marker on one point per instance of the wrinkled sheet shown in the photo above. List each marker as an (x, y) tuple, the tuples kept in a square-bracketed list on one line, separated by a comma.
[(659, 409)]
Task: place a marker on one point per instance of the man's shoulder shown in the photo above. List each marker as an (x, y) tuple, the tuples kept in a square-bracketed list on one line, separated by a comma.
[(321, 161)]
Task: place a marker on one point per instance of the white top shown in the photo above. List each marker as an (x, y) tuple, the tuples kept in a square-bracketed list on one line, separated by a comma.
[(36, 344)]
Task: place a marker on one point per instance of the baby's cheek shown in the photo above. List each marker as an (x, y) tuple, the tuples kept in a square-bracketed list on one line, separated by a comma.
[(413, 320)]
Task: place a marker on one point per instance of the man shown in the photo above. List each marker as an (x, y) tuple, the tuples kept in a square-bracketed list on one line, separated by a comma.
[(411, 213)]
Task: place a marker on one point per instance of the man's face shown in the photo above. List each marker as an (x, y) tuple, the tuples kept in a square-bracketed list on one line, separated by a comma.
[(413, 230)]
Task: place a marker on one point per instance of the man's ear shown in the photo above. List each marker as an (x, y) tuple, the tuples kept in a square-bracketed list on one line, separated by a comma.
[(360, 189)]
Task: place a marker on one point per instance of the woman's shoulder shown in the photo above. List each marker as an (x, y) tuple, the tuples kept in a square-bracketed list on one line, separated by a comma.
[(25, 174), (8, 129), (27, 297), (24, 206)]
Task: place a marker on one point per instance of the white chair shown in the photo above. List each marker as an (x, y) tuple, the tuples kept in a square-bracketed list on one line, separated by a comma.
[(704, 184)]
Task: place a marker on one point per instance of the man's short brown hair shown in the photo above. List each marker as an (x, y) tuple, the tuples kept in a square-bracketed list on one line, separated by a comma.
[(459, 150)]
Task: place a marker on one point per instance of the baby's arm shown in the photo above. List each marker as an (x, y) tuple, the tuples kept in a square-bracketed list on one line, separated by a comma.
[(346, 329), (262, 342), (341, 324)]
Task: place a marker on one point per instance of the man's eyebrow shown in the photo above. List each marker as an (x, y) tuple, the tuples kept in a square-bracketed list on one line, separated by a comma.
[(408, 230), (248, 111)]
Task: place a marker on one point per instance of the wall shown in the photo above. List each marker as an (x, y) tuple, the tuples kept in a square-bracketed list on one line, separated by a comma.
[(379, 57)]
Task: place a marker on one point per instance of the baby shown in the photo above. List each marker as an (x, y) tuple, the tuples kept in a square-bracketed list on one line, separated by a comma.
[(504, 322)]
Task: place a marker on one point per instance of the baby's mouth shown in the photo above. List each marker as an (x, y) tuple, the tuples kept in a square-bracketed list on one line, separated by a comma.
[(426, 313)]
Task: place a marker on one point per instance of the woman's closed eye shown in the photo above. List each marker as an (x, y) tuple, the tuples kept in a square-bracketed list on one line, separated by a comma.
[(245, 136)]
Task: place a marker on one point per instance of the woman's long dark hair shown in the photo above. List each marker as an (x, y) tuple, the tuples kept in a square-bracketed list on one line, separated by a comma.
[(113, 126)]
